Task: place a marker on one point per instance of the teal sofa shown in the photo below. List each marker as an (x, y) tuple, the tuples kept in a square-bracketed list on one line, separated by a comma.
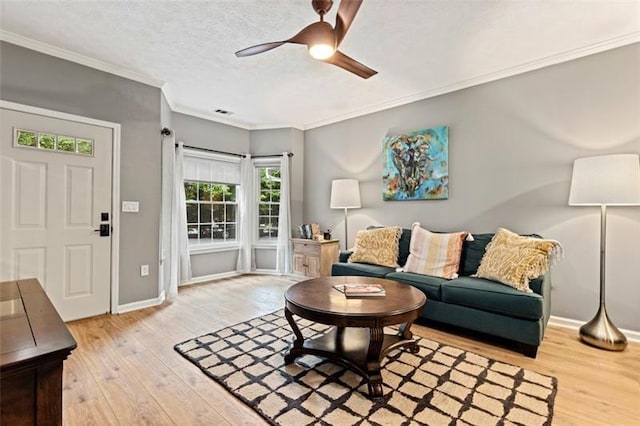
[(476, 304)]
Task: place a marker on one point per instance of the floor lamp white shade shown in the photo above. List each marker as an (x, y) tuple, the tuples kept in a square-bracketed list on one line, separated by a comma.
[(345, 194), (607, 180)]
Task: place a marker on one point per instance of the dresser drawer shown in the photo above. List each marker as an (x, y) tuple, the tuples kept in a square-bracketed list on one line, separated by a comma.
[(306, 248)]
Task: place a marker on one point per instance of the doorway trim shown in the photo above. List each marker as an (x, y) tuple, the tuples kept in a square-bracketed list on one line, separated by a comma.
[(115, 183)]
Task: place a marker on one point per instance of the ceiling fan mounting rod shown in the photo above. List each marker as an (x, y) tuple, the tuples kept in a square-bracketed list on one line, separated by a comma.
[(321, 7)]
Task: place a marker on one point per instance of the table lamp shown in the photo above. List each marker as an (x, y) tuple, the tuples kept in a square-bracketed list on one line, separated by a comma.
[(607, 180), (345, 194)]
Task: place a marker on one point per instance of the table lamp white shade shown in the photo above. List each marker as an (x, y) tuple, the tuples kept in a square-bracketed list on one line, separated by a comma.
[(345, 194), (612, 180), (606, 180)]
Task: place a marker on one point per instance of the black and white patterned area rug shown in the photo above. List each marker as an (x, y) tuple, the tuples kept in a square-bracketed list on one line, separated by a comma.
[(440, 385)]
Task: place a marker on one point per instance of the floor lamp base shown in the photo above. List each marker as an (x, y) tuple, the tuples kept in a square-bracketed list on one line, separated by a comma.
[(601, 333)]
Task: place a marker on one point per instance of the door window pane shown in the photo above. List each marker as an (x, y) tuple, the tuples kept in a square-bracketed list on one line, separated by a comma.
[(85, 146), (66, 144), (26, 138), (46, 141)]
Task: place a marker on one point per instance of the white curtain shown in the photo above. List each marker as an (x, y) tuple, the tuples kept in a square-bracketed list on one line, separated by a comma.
[(179, 240), (283, 254), (246, 206), (168, 280)]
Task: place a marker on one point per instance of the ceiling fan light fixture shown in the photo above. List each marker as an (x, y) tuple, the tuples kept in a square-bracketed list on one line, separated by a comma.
[(321, 51)]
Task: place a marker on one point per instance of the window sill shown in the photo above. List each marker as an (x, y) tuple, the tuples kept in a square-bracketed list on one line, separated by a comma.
[(212, 248), (262, 245)]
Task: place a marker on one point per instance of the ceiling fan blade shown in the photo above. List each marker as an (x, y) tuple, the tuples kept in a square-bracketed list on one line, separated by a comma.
[(306, 35), (260, 48), (346, 12), (341, 60)]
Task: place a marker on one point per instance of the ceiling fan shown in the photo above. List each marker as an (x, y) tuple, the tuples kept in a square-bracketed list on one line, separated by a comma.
[(322, 39)]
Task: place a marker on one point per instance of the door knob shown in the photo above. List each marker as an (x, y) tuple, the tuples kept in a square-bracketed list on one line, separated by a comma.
[(104, 230)]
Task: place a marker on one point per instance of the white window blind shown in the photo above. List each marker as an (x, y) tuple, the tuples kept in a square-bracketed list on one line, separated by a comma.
[(211, 168)]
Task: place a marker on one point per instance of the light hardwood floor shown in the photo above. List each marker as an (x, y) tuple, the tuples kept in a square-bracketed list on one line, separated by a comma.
[(126, 372)]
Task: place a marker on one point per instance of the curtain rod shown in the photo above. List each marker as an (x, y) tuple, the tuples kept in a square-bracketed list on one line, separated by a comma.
[(290, 154)]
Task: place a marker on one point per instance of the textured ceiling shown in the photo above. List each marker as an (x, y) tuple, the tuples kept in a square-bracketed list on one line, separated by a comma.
[(418, 48)]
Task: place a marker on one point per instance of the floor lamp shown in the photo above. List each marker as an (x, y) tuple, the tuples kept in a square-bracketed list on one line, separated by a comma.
[(607, 180), (345, 194)]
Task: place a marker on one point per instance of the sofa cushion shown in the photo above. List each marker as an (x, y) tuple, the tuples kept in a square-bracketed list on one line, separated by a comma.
[(492, 296), (403, 246), (514, 260), (377, 246), (434, 254), (360, 269), (472, 252), (429, 284)]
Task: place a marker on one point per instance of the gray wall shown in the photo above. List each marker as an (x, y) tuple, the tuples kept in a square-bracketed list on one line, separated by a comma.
[(202, 133), (32, 78), (512, 144)]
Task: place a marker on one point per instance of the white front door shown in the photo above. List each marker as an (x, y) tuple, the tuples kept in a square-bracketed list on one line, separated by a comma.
[(55, 192)]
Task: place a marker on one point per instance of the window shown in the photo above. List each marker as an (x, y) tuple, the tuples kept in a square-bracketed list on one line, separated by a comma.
[(269, 202), (52, 142), (212, 212), (211, 184)]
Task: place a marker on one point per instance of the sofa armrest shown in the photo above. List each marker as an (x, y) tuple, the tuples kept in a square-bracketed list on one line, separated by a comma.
[(542, 286), (344, 256)]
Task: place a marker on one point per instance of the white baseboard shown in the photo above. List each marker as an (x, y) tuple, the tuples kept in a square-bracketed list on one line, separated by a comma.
[(134, 306), (205, 278), (266, 272), (632, 336)]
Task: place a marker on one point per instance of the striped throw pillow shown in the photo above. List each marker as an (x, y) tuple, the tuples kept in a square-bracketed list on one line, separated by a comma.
[(434, 254)]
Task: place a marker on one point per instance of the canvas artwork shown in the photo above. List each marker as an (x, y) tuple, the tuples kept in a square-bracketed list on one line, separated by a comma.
[(416, 165)]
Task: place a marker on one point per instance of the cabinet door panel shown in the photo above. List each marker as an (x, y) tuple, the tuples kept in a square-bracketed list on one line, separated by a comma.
[(313, 266), (299, 266)]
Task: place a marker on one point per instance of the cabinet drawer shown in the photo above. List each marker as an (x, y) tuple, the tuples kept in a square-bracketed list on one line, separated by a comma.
[(306, 248)]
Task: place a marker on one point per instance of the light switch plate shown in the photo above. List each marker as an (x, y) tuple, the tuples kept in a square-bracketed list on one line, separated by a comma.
[(144, 270), (131, 206)]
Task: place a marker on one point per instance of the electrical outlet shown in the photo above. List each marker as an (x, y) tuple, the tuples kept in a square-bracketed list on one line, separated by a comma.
[(144, 270)]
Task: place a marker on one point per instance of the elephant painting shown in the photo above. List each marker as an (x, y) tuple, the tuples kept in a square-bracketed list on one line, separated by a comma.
[(416, 165)]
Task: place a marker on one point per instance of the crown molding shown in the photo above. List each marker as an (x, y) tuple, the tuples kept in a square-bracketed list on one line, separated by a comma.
[(68, 55), (181, 109), (278, 126), (486, 78)]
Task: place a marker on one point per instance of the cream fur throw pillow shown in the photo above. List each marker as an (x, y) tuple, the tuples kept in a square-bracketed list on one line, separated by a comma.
[(377, 246), (514, 260)]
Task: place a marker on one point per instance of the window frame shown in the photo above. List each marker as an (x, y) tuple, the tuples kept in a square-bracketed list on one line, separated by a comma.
[(212, 247), (258, 164), (212, 203)]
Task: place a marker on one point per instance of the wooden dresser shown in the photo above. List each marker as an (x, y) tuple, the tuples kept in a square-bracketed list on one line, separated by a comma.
[(314, 258), (33, 344)]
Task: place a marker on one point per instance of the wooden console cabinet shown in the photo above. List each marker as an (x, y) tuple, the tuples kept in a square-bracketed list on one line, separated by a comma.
[(33, 344), (314, 258)]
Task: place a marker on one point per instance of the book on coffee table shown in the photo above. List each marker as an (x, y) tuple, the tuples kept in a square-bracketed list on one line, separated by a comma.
[(361, 290)]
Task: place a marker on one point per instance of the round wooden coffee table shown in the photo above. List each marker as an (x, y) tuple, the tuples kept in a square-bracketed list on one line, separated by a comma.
[(357, 341)]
